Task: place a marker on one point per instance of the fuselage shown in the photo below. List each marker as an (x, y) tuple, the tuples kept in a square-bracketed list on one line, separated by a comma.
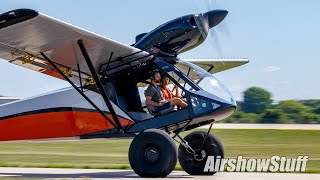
[(65, 113)]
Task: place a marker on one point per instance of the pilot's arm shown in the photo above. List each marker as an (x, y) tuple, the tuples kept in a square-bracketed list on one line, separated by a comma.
[(152, 103)]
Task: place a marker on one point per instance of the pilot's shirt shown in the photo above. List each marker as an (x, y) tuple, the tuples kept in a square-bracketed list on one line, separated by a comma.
[(154, 92)]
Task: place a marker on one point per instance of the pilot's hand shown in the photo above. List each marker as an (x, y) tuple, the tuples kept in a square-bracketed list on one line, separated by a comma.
[(162, 102)]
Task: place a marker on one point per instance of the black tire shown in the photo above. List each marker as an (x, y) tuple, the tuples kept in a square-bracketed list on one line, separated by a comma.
[(195, 165), (153, 153)]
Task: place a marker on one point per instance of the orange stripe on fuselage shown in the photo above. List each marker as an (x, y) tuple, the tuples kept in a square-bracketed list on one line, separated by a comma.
[(54, 124)]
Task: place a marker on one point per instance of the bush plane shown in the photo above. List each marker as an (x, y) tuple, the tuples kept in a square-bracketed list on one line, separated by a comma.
[(107, 78)]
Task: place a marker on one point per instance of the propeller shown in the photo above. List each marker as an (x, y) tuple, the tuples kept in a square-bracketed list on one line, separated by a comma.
[(207, 21)]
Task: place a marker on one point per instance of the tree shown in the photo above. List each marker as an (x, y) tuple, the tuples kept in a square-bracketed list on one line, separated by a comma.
[(256, 100), (292, 107), (313, 103), (308, 118), (317, 110), (272, 116)]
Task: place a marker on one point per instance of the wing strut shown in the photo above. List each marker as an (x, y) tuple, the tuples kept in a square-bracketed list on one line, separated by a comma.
[(117, 125), (79, 74), (99, 84)]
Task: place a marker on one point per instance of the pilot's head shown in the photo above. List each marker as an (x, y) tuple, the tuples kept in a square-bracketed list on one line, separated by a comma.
[(155, 76)]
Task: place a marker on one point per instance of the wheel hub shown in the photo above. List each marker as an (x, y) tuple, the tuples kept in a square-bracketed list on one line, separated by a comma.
[(200, 155), (151, 154)]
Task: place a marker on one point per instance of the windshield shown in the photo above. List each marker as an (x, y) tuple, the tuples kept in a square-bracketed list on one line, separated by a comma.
[(204, 80)]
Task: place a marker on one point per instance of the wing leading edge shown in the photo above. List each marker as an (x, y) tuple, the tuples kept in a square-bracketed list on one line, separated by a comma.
[(24, 33), (217, 65)]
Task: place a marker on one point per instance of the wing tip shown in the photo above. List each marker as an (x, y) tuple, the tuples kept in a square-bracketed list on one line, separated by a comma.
[(15, 16)]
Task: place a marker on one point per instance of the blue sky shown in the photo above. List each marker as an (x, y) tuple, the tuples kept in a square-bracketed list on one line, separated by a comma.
[(281, 39)]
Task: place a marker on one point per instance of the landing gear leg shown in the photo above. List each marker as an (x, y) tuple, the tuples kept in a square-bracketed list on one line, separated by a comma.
[(153, 153), (204, 144)]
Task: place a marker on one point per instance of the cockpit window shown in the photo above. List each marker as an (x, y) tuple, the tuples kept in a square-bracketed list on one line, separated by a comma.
[(204, 80), (178, 76), (191, 73), (194, 78)]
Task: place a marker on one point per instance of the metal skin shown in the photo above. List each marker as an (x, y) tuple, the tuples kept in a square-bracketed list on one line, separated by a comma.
[(61, 113), (181, 34), (64, 113)]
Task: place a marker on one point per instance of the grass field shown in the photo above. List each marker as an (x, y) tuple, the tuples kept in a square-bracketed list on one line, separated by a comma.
[(112, 153)]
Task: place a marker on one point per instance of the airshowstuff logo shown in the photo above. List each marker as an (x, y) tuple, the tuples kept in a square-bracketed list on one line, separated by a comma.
[(240, 164)]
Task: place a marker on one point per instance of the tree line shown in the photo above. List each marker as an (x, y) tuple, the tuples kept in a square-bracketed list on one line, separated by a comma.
[(258, 107)]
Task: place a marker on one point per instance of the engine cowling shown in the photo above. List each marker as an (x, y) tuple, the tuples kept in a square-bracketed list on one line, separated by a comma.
[(181, 34)]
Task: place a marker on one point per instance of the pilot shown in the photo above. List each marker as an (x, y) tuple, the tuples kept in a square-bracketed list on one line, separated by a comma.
[(166, 92), (154, 98)]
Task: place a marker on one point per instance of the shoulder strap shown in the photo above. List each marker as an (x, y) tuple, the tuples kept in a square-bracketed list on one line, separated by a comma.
[(158, 90)]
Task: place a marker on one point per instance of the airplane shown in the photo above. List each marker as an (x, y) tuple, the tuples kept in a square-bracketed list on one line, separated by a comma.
[(107, 78)]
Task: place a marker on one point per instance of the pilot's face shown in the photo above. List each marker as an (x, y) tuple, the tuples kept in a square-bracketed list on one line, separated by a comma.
[(157, 77)]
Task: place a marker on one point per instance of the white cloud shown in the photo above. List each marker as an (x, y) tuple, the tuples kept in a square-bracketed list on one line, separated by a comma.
[(271, 68)]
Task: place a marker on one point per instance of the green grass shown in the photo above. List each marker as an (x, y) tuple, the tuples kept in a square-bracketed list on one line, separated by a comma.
[(112, 153)]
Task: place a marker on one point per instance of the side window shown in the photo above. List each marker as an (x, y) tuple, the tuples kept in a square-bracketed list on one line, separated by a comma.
[(181, 82), (141, 88)]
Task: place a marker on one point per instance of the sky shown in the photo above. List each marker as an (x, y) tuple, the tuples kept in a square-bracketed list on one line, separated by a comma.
[(280, 38)]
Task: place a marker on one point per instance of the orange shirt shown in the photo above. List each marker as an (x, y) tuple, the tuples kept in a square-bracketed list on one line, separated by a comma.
[(166, 93)]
